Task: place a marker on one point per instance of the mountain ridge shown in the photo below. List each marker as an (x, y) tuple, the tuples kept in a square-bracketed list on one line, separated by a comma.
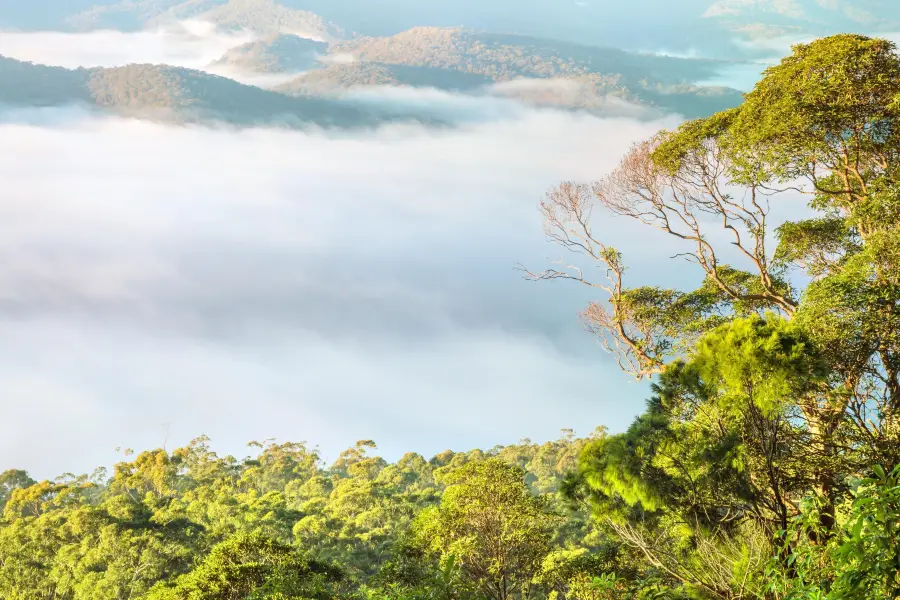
[(264, 17), (573, 75), (720, 28), (172, 94), (278, 53)]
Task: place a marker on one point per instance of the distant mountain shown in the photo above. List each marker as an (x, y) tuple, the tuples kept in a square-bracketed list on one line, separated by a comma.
[(638, 25), (542, 72), (171, 94), (279, 53), (336, 78), (606, 94), (503, 57), (128, 15), (269, 17), (717, 28), (42, 14), (763, 23), (265, 17), (27, 84), (686, 27)]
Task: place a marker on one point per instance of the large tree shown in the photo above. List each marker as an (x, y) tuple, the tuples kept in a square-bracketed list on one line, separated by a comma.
[(492, 525), (780, 373)]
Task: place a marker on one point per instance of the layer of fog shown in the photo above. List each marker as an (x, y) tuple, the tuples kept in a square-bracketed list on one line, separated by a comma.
[(189, 44), (256, 283), (566, 92)]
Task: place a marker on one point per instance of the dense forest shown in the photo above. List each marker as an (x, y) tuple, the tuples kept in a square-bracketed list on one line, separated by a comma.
[(191, 524), (274, 54), (574, 76), (536, 72), (177, 95), (765, 465)]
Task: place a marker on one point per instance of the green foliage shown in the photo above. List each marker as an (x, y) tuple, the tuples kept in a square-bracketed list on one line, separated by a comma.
[(280, 524), (816, 245), (11, 481), (861, 561), (492, 524), (833, 94), (867, 553), (764, 361), (252, 567), (778, 380)]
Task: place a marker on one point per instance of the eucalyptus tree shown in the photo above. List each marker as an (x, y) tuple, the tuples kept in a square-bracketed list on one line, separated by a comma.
[(779, 375)]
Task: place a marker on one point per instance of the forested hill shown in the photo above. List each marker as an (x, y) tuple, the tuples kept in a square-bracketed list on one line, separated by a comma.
[(537, 71), (157, 516), (280, 53), (171, 94), (503, 56)]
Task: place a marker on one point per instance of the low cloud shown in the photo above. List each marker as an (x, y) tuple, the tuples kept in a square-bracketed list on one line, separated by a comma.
[(437, 104), (570, 92), (263, 80), (339, 58), (316, 286), (191, 44)]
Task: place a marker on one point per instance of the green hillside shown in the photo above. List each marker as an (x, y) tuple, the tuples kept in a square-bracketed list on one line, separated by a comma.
[(279, 53), (169, 94)]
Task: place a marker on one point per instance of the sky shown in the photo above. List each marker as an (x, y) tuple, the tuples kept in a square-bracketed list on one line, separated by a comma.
[(161, 283)]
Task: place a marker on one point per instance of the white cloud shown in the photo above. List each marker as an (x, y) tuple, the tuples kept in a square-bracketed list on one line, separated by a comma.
[(191, 44), (339, 58), (778, 46), (314, 286), (568, 92), (437, 103), (737, 8), (263, 80)]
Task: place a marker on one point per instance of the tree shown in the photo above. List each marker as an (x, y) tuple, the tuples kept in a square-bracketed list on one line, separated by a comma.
[(778, 378), (861, 561), (706, 480), (250, 567), (157, 517), (825, 116), (822, 123), (489, 521), (10, 481)]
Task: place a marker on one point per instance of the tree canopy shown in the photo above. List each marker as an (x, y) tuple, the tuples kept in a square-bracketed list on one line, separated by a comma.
[(777, 380)]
